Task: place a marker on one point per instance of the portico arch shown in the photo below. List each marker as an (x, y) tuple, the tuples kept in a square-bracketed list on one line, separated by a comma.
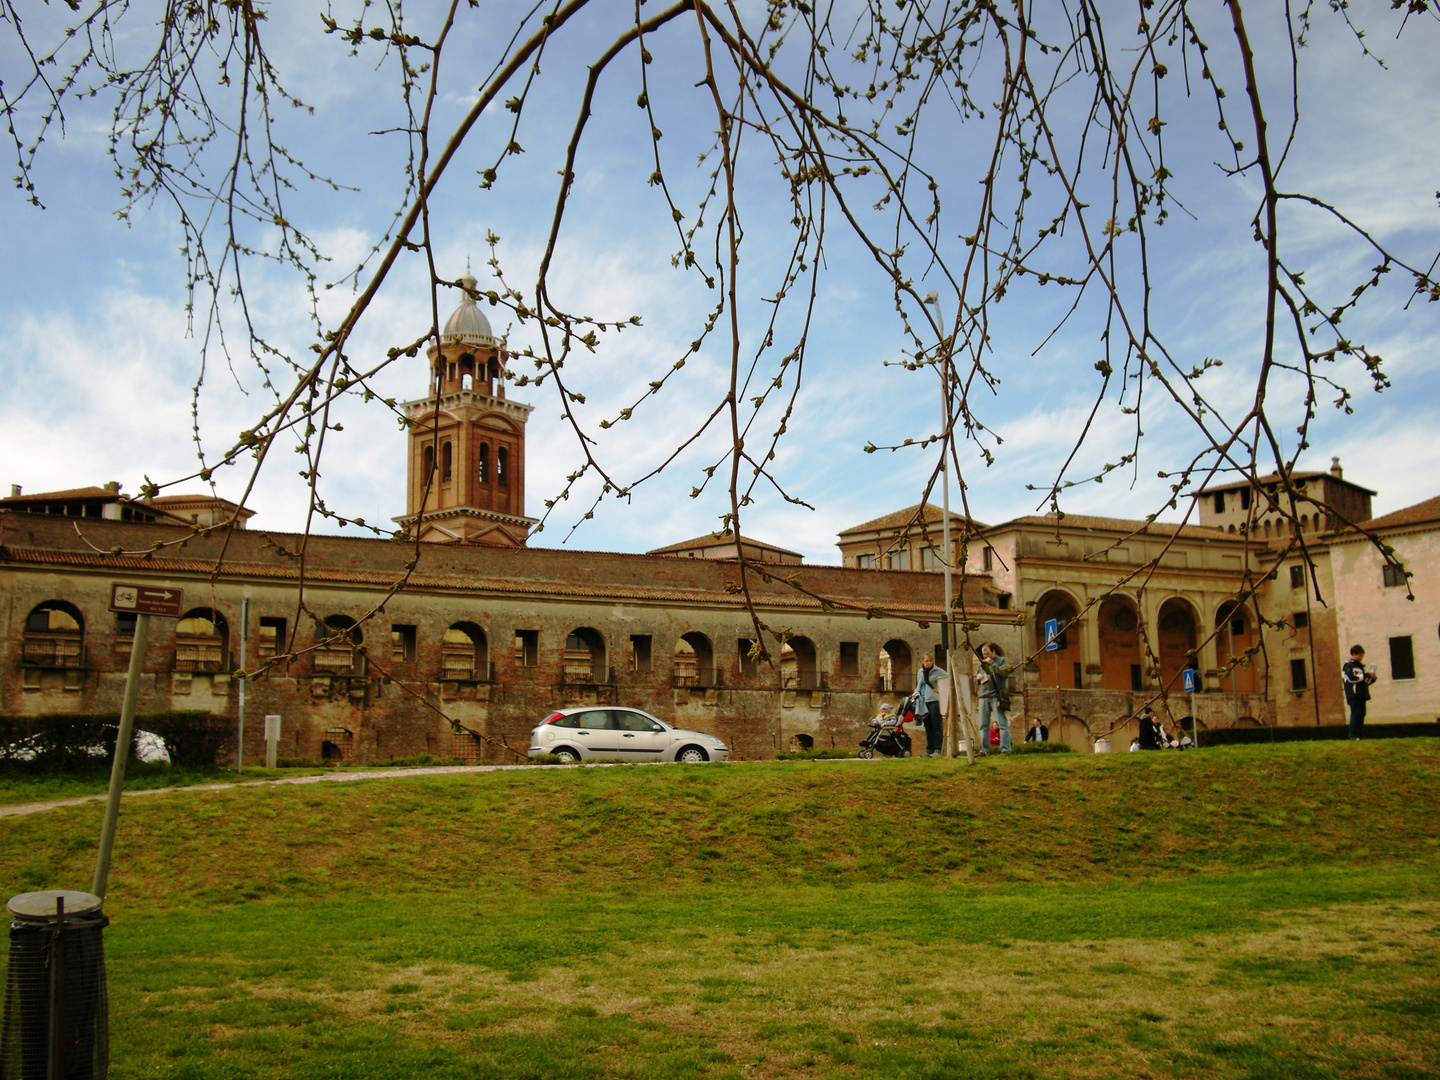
[(1121, 665), (1176, 637), (1234, 635), (1058, 666)]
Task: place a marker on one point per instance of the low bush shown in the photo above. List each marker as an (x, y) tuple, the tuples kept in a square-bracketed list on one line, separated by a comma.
[(1043, 748), (83, 742), (814, 755), (1249, 736)]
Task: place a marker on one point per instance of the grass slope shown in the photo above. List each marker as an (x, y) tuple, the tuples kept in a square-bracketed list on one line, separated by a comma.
[(1247, 912)]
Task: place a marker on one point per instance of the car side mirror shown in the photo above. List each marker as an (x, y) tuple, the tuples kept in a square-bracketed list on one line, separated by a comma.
[(657, 728)]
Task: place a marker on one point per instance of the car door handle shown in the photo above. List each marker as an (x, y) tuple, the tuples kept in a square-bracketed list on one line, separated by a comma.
[(582, 733), (628, 735)]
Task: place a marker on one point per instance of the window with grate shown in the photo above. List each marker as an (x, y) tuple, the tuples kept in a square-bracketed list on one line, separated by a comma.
[(1298, 678), (1402, 658)]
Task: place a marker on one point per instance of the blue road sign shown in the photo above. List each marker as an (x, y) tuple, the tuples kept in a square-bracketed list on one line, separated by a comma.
[(1052, 631)]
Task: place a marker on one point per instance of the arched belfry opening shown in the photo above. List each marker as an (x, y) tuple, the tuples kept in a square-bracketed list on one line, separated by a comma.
[(472, 432)]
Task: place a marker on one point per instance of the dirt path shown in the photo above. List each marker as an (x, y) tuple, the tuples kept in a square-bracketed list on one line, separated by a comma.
[(20, 809)]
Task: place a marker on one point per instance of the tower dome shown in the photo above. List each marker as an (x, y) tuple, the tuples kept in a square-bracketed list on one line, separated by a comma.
[(467, 324)]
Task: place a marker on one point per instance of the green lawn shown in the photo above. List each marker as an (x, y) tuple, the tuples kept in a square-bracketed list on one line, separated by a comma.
[(1241, 912)]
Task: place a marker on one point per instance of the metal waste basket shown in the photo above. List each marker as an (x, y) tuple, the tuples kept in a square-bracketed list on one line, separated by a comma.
[(57, 1018)]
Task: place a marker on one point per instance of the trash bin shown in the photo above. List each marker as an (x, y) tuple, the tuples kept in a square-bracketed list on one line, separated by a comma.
[(55, 1004)]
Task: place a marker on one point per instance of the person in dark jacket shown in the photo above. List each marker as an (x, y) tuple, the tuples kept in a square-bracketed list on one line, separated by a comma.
[(1357, 680), (1149, 729), (1038, 732)]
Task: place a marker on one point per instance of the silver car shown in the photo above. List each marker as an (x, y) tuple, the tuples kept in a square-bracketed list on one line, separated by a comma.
[(588, 734)]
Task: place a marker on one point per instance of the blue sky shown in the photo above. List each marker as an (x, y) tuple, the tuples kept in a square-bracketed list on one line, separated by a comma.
[(98, 360)]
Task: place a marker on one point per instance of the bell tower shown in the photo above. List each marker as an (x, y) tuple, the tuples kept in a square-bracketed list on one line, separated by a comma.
[(466, 471)]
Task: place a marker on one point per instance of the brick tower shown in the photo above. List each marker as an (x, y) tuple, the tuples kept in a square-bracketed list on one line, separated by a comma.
[(466, 472)]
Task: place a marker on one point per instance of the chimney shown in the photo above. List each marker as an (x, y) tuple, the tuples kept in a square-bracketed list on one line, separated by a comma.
[(113, 487), (14, 491), (1335, 469)]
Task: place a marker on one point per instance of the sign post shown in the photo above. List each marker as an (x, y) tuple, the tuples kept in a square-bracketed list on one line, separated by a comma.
[(1188, 675), (142, 601), (272, 736)]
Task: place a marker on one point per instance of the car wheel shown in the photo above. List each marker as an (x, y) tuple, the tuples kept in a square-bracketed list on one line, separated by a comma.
[(866, 753), (567, 756), (692, 755)]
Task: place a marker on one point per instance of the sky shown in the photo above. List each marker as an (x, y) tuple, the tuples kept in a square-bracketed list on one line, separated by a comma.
[(99, 358)]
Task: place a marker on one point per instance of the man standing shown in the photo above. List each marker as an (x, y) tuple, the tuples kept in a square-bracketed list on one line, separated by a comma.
[(929, 700), (1357, 681), (993, 684)]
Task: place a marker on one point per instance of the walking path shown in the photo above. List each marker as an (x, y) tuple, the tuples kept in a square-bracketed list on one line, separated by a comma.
[(20, 809)]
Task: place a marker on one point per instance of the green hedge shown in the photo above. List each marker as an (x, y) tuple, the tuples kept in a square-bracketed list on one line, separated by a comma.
[(1247, 736), (72, 742), (1043, 748)]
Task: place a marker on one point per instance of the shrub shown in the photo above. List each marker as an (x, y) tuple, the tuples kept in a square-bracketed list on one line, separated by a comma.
[(67, 742), (193, 739), (1248, 736), (814, 755), (1043, 748), (84, 742)]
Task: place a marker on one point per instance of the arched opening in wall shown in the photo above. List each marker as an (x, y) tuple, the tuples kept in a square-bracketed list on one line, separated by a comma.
[(694, 661), (1061, 666), (1121, 665), (202, 641), (427, 467), (897, 667), (1267, 529), (337, 745), (1067, 729), (492, 372), (464, 653), (800, 743), (447, 462), (799, 665), (54, 636), (585, 656), (1248, 721), (338, 656), (502, 467), (1120, 732), (482, 464), (1176, 638), (1234, 636)]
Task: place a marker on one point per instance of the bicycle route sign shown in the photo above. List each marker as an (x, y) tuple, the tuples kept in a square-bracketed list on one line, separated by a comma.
[(146, 600)]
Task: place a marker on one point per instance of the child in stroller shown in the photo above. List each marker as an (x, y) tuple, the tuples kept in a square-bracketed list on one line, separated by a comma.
[(887, 732)]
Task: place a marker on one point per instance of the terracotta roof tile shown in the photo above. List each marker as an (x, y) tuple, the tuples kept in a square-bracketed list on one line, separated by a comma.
[(717, 540), (73, 493), (1429, 510), (1122, 525), (441, 582), (899, 518)]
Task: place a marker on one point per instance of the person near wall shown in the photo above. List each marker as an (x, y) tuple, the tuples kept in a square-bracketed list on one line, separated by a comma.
[(1357, 678), (1149, 729), (929, 699), (1038, 732), (993, 682)]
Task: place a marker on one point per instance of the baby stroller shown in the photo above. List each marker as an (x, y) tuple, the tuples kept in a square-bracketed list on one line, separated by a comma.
[(887, 733)]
